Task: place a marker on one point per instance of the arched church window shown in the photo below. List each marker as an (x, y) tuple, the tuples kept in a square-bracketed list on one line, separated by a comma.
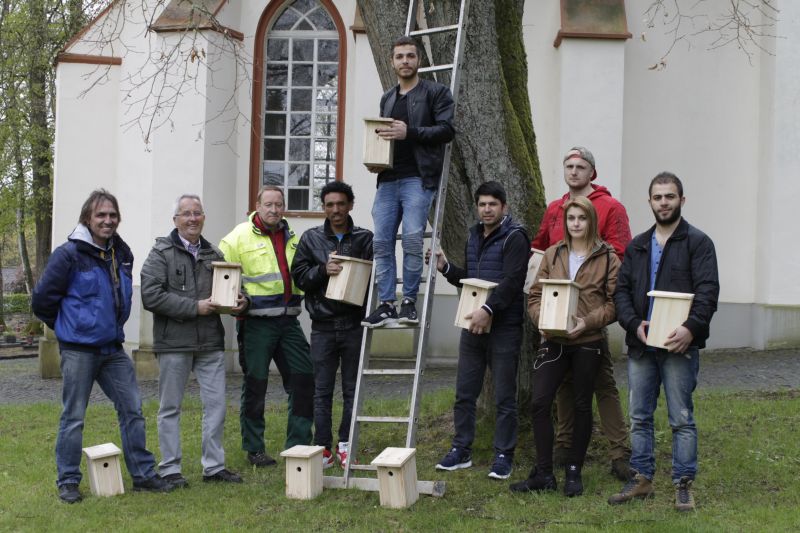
[(301, 85)]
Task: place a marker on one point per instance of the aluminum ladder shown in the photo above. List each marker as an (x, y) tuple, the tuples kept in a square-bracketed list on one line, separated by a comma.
[(347, 480)]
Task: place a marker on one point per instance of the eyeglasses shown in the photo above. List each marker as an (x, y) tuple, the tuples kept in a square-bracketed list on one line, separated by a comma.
[(190, 214), (271, 205)]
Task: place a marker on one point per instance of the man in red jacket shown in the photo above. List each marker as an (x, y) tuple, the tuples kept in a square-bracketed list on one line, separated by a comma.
[(612, 222)]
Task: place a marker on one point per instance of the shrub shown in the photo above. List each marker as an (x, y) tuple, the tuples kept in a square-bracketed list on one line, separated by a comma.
[(16, 303)]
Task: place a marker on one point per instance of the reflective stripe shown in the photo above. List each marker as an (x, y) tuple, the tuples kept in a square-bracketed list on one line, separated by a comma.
[(275, 311), (263, 278)]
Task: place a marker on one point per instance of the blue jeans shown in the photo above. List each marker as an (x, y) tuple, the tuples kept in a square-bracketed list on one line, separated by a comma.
[(116, 376), (678, 373), (404, 199), (327, 349), (499, 350)]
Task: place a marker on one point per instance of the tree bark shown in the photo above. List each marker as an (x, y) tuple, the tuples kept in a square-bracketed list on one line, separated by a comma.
[(495, 138), (19, 184), (40, 140)]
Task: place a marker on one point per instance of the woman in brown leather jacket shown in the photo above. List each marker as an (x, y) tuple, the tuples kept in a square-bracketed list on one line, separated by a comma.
[(591, 263)]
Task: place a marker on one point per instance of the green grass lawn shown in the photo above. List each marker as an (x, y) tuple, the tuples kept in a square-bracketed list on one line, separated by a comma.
[(748, 479)]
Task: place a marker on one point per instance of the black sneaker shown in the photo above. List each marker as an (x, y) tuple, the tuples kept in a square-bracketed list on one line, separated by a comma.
[(573, 484), (224, 475), (408, 312), (69, 493), (154, 484), (455, 460), (261, 459), (536, 482), (176, 479), (382, 315), (501, 468)]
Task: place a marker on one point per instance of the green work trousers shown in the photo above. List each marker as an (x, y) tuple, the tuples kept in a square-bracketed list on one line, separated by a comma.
[(279, 339)]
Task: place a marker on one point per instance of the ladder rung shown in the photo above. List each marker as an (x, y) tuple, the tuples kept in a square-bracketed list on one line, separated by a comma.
[(438, 29), (384, 419), (389, 372), (370, 468), (399, 325), (437, 68), (425, 235)]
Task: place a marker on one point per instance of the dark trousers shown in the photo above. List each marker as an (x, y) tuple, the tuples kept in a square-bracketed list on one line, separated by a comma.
[(280, 339), (328, 349), (612, 421), (552, 363), (499, 350)]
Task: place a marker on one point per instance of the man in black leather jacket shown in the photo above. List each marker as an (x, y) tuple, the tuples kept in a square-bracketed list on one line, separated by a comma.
[(675, 257), (335, 326), (422, 113)]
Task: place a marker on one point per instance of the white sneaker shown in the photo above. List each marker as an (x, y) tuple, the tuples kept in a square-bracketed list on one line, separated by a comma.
[(327, 459), (342, 450)]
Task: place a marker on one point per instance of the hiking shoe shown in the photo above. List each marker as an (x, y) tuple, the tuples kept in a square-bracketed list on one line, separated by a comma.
[(684, 499), (342, 449), (69, 493), (382, 315), (327, 459), (455, 459), (638, 487), (561, 457), (408, 312), (176, 479), (260, 459), (154, 484), (224, 475), (501, 468), (621, 468), (536, 482), (573, 484)]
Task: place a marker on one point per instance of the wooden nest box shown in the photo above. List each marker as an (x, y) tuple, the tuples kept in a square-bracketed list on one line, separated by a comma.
[(474, 293), (559, 304), (670, 310), (377, 152)]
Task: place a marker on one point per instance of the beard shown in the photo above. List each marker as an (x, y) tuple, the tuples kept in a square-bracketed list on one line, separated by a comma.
[(666, 220)]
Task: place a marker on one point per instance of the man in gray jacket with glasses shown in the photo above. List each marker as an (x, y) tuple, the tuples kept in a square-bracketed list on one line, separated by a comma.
[(188, 336)]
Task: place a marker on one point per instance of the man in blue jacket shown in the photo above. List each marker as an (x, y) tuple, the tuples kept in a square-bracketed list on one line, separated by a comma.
[(84, 295), (422, 113), (497, 251), (671, 256)]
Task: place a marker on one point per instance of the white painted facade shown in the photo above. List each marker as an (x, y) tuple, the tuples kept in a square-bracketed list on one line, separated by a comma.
[(727, 127)]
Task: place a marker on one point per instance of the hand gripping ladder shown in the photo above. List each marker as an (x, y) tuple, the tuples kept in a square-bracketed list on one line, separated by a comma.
[(435, 488)]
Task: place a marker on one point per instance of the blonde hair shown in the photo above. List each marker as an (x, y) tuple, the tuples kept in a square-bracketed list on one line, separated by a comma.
[(585, 205)]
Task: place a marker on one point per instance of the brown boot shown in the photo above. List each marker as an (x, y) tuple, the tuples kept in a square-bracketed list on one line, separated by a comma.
[(638, 487), (684, 499)]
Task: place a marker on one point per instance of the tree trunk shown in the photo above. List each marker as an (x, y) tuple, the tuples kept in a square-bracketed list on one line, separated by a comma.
[(40, 141), (2, 283), (19, 184), (495, 139)]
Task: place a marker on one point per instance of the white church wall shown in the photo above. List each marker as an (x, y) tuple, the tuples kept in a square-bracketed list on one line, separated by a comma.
[(698, 117)]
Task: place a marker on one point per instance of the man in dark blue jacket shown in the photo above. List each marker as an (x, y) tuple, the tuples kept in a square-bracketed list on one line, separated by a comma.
[(335, 325), (497, 251), (84, 295), (422, 113), (672, 256)]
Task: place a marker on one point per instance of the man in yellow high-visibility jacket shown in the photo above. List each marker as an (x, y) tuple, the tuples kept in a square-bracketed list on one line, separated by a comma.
[(269, 329)]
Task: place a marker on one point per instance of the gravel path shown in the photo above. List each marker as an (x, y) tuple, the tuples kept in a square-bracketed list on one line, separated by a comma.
[(725, 370)]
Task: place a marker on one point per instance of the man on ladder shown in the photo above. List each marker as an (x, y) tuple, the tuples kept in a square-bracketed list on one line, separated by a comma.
[(423, 123)]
